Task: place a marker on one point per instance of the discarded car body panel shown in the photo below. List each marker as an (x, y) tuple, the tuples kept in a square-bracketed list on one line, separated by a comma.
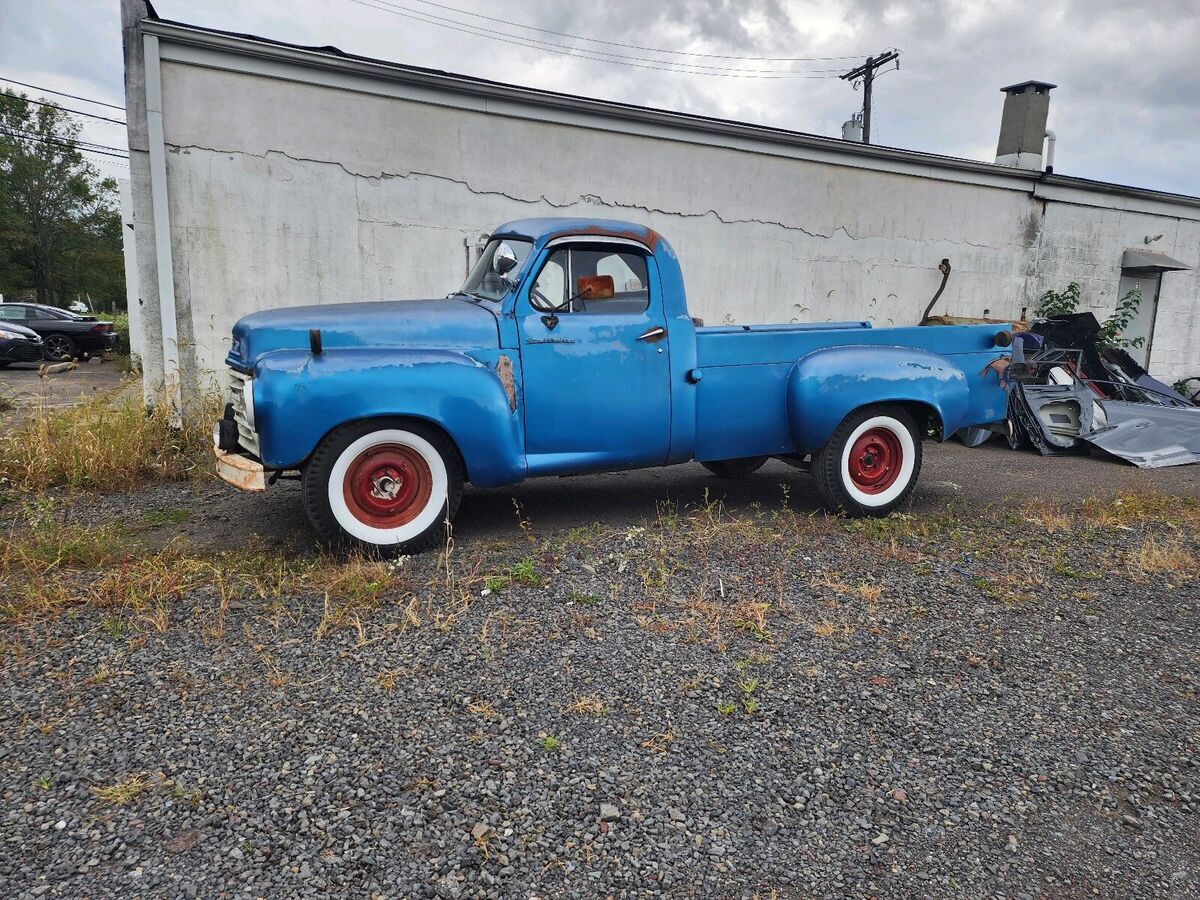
[(1061, 412), (570, 349), (1063, 399), (1148, 435)]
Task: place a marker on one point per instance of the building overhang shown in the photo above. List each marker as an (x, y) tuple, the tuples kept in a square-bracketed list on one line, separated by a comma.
[(1149, 261)]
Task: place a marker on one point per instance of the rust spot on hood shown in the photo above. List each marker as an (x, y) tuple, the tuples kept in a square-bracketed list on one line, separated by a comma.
[(504, 369)]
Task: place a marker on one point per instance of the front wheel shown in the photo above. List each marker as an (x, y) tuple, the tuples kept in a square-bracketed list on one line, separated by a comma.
[(388, 486), (870, 464)]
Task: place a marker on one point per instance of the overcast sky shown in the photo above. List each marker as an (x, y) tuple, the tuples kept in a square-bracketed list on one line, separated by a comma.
[(1127, 106)]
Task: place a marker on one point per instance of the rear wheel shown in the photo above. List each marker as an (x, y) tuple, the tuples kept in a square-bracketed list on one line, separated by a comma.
[(735, 468), (59, 347), (384, 485), (870, 464)]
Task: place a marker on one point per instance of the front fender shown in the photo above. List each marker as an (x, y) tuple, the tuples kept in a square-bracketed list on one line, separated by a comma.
[(299, 398), (826, 385)]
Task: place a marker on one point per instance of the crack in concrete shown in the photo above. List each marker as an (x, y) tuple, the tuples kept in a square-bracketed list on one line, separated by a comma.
[(592, 199)]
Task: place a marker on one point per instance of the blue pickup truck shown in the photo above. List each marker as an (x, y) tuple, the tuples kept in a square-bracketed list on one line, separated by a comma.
[(570, 349)]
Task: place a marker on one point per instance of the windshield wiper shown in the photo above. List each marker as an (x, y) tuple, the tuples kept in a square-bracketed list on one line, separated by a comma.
[(471, 294)]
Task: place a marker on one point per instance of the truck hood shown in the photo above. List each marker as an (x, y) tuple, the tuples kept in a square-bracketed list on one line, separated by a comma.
[(446, 324)]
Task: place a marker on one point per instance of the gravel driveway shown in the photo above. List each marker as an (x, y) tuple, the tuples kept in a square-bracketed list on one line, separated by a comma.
[(957, 703)]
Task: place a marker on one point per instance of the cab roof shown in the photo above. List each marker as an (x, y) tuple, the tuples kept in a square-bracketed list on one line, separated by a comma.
[(547, 229)]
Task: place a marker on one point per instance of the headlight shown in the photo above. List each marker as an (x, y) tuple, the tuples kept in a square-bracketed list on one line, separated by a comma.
[(248, 395)]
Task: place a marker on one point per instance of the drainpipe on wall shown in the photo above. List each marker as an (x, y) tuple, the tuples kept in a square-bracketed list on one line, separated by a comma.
[(156, 146)]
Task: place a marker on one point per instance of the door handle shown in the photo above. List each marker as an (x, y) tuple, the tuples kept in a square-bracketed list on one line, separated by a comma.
[(657, 333)]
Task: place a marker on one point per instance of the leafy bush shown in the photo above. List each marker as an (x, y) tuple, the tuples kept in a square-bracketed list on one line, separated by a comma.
[(1065, 302), (1115, 325), (121, 324), (1059, 303)]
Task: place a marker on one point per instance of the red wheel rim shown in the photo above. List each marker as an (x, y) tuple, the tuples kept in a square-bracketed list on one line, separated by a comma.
[(875, 460), (387, 485)]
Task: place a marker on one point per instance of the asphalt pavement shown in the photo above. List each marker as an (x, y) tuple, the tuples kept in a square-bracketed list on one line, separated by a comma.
[(987, 475), (25, 390)]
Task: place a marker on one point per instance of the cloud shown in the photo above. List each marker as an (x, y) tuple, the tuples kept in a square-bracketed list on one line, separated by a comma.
[(1125, 110)]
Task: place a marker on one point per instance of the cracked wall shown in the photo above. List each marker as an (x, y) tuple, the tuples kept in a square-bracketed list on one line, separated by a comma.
[(284, 193)]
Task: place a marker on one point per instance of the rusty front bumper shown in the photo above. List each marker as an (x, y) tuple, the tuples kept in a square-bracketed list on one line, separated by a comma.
[(239, 470)]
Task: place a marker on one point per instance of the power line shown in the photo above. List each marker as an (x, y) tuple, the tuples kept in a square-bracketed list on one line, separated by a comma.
[(866, 72), (77, 112), (587, 53), (34, 87), (100, 149), (581, 53), (579, 37)]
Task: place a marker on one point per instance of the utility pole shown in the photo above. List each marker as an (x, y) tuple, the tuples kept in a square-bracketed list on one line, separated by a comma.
[(867, 73)]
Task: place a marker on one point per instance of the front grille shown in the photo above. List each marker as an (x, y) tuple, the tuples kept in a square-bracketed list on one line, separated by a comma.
[(27, 351), (238, 385)]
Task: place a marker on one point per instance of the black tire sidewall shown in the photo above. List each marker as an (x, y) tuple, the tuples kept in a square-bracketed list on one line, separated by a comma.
[(827, 462), (320, 465), (71, 346)]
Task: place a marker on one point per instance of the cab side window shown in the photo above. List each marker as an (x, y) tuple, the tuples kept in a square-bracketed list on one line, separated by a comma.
[(550, 289), (559, 280), (12, 313)]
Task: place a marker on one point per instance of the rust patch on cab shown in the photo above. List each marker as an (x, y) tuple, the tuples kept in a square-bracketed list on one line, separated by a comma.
[(642, 235), (504, 369)]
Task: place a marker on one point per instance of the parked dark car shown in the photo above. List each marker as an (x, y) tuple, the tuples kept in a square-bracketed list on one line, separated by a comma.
[(65, 334), (18, 344)]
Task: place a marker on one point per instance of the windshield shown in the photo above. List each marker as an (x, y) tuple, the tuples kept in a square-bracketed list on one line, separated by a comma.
[(483, 280)]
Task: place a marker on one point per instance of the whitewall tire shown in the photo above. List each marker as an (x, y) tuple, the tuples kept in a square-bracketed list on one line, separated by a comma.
[(383, 485), (871, 462)]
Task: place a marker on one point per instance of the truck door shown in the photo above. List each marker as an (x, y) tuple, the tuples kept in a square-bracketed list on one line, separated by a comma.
[(595, 368)]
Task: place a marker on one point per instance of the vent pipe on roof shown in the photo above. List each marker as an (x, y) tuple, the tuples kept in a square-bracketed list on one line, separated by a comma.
[(1023, 124)]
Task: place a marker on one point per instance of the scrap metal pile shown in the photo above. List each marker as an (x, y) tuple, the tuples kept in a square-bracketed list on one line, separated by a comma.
[(1068, 393)]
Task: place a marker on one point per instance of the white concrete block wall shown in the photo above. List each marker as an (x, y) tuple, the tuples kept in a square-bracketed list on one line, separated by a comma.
[(283, 192)]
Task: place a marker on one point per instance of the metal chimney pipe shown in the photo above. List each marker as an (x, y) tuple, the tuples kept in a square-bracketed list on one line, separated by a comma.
[(1023, 124), (1051, 139)]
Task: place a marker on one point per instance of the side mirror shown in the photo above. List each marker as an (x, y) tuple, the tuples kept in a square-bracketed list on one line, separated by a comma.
[(595, 287), (504, 260)]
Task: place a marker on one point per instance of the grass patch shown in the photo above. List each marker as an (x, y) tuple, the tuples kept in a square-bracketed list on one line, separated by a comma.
[(48, 566), (123, 791), (157, 517), (524, 573), (586, 706), (1157, 556), (1143, 509), (485, 709), (108, 442)]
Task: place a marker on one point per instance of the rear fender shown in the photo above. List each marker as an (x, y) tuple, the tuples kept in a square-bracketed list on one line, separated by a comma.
[(827, 385), (299, 398)]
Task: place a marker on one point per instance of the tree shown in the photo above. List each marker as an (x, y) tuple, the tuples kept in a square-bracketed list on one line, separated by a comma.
[(60, 230)]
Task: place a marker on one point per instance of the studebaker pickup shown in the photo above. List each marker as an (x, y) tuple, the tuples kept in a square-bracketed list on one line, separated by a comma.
[(570, 349)]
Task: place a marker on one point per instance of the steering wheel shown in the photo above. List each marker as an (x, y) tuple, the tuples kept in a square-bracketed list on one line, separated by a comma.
[(543, 303)]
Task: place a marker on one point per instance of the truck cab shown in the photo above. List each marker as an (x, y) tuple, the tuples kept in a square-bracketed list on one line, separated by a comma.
[(570, 349)]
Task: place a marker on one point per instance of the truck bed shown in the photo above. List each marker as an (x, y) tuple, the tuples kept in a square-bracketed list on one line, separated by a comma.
[(741, 399), (751, 345)]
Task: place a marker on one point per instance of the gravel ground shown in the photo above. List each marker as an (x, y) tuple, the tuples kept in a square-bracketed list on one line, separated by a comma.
[(950, 704)]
